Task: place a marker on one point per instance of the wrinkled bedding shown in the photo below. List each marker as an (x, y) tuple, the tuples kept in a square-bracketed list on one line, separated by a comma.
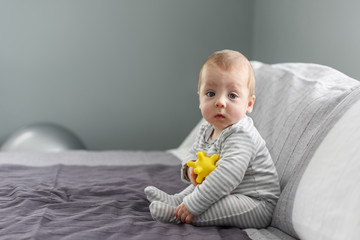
[(91, 202)]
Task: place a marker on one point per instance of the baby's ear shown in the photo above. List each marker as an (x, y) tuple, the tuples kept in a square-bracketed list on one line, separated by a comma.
[(250, 104)]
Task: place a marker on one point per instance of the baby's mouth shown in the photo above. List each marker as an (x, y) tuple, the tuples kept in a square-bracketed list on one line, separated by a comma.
[(219, 116)]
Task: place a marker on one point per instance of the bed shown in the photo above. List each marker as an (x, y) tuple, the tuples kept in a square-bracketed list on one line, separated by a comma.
[(91, 195), (307, 113)]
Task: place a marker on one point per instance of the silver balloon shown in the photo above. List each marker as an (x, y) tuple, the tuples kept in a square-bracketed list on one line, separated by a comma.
[(42, 137)]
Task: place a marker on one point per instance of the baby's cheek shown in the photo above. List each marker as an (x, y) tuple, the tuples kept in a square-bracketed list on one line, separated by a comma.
[(205, 111), (237, 114)]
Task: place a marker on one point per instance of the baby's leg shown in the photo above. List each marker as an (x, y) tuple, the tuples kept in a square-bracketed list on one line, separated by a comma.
[(163, 212), (237, 211), (155, 194)]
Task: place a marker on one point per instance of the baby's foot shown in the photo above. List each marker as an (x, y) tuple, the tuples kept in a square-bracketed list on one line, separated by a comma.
[(163, 212), (155, 194)]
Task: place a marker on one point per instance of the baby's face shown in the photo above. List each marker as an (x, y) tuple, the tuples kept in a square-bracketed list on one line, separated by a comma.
[(224, 96)]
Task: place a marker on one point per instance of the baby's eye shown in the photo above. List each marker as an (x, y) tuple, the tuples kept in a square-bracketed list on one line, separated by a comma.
[(210, 94), (232, 96)]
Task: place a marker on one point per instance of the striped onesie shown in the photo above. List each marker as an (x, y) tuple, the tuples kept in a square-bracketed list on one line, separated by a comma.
[(243, 189)]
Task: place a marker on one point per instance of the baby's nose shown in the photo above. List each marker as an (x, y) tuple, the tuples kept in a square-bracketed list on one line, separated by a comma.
[(220, 102)]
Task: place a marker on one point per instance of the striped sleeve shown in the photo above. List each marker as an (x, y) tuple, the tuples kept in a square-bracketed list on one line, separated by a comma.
[(235, 156)]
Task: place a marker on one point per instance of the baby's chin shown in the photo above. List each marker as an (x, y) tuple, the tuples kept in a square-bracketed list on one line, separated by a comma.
[(221, 126)]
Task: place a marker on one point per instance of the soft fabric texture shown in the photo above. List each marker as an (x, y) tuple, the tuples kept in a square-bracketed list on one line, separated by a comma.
[(233, 210), (296, 106), (154, 194), (327, 204), (91, 202), (163, 212)]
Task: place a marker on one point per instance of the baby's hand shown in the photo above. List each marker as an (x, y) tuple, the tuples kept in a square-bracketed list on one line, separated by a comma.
[(183, 214), (192, 176)]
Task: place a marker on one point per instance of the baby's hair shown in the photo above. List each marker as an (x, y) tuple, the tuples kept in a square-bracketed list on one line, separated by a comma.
[(227, 60)]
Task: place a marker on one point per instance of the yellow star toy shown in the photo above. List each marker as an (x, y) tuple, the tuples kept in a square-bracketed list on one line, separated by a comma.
[(203, 166)]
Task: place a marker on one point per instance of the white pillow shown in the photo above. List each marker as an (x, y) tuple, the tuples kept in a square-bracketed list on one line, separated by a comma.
[(327, 201)]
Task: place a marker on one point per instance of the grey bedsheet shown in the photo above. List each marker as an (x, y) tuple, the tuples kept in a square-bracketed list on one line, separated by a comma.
[(91, 202)]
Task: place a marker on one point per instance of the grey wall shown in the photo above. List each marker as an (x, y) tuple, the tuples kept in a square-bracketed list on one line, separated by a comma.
[(322, 31), (121, 74)]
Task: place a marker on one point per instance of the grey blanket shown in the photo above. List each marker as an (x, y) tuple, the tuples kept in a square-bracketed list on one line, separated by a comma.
[(91, 202)]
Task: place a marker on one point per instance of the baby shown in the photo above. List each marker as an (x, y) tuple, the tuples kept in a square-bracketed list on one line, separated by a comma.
[(244, 187)]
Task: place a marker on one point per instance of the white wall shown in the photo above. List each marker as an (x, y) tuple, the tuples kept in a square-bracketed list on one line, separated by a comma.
[(322, 31), (121, 74)]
